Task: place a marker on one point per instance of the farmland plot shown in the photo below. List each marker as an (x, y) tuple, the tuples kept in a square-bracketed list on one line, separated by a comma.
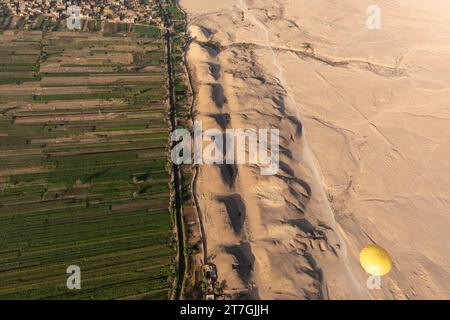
[(84, 176)]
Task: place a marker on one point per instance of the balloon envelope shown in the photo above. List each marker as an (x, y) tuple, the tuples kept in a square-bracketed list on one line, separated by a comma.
[(375, 260)]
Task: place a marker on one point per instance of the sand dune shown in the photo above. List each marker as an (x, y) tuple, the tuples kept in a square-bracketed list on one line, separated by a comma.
[(364, 124)]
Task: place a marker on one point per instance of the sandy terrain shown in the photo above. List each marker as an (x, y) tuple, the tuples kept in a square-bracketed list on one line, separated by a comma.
[(364, 119)]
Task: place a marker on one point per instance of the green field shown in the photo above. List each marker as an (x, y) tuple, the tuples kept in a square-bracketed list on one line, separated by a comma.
[(84, 176)]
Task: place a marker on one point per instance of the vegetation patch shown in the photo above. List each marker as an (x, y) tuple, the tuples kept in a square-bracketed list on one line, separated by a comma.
[(84, 177)]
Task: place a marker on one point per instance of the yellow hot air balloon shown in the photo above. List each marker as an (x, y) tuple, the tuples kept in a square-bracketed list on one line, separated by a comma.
[(375, 260)]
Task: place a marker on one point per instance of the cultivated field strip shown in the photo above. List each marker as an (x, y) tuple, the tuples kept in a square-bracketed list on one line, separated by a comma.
[(84, 176)]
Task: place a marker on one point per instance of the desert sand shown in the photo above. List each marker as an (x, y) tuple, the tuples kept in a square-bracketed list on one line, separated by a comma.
[(364, 120)]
